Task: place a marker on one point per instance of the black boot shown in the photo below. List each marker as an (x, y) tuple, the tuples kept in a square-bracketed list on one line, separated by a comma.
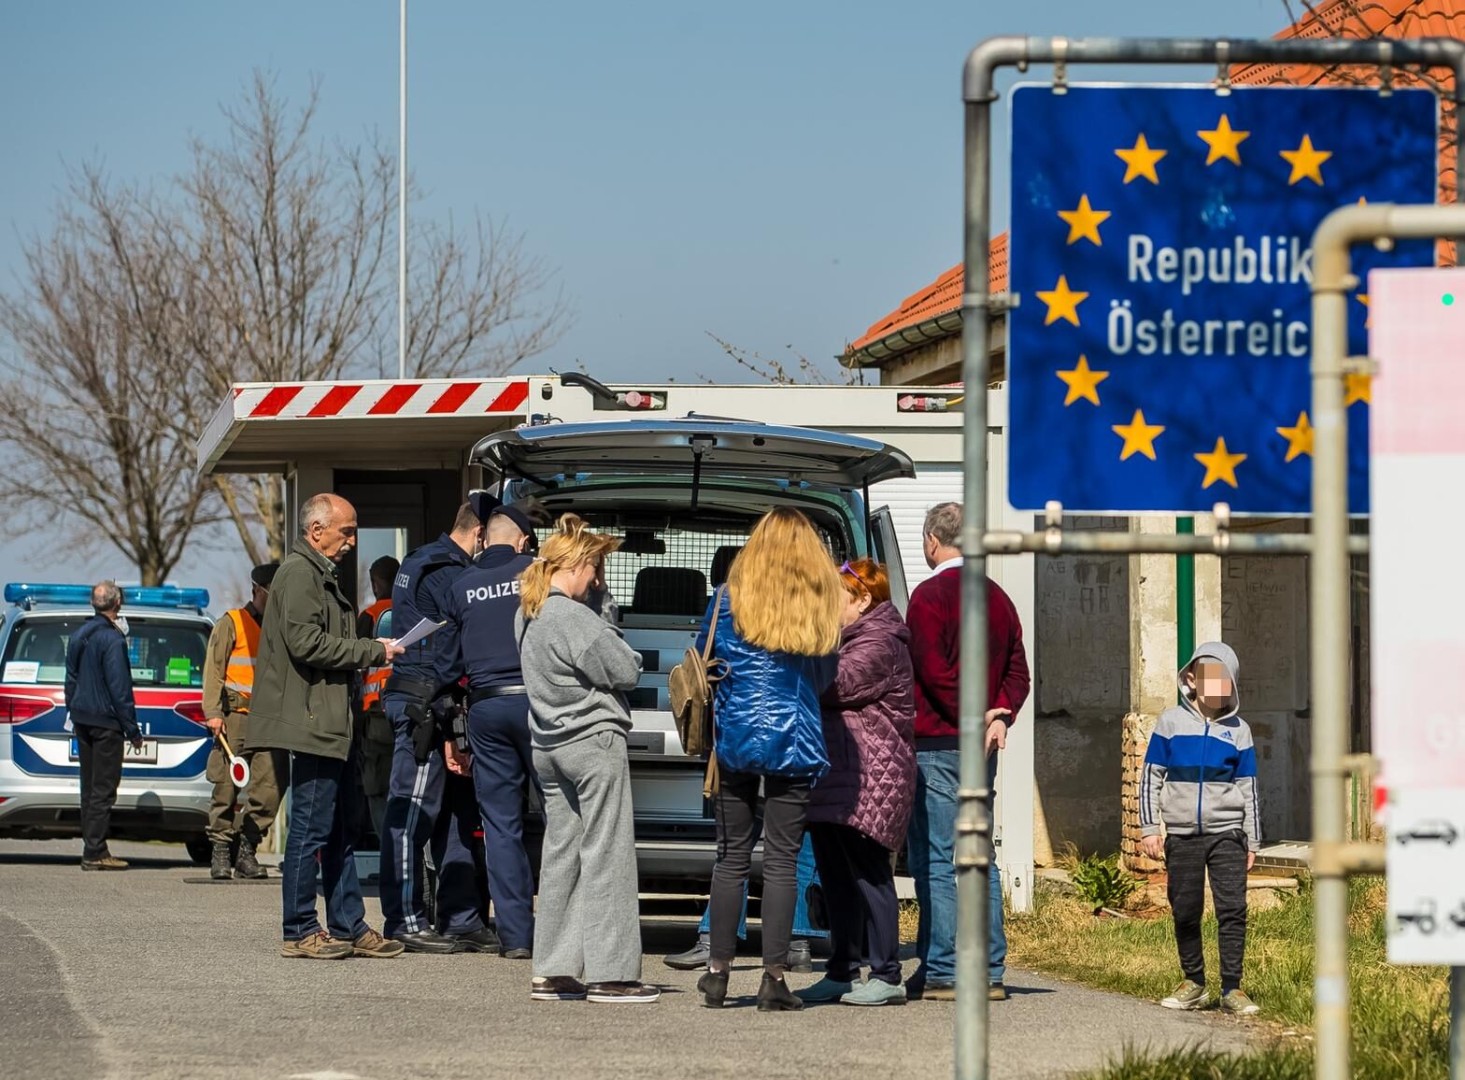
[(713, 988), (247, 866), (775, 996), (219, 865)]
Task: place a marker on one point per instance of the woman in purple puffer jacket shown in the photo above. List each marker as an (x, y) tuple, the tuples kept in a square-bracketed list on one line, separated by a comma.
[(859, 811)]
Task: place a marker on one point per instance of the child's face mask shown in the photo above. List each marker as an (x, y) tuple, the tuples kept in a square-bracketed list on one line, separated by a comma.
[(1212, 685)]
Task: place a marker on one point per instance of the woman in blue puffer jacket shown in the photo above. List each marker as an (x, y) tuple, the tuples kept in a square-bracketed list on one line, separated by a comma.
[(778, 629)]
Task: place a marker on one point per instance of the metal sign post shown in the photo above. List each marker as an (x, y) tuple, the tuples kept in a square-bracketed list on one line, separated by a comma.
[(1329, 542)]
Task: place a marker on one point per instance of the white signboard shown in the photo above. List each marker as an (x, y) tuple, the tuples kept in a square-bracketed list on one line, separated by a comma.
[(1417, 596)]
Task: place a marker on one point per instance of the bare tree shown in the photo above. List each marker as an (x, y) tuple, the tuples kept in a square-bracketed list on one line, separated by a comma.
[(271, 259), (799, 371), (91, 381)]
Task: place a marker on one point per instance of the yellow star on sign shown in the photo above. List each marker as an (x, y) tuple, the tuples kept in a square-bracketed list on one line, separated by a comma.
[(1220, 465), (1362, 298), (1224, 141), (1139, 437), (1139, 160), (1082, 382), (1083, 223), (1062, 302), (1357, 387), (1306, 162), (1299, 438)]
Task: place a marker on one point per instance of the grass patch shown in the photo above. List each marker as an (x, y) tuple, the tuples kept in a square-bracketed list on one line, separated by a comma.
[(1400, 1014), (910, 920)]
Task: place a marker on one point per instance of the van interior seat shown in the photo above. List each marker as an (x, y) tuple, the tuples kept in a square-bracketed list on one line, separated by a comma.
[(722, 560), (670, 590)]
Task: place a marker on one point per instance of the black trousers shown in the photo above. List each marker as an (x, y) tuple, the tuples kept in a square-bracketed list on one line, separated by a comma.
[(859, 896), (100, 752), (785, 802), (1187, 860)]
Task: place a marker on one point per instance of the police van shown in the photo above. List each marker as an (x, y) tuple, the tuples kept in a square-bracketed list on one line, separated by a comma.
[(164, 794), (683, 496)]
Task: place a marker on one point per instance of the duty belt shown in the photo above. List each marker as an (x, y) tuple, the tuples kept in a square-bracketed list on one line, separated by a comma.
[(484, 693), (421, 689)]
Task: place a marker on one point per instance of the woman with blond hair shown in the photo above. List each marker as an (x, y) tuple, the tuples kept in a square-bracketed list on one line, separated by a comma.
[(778, 631), (859, 811), (577, 669)]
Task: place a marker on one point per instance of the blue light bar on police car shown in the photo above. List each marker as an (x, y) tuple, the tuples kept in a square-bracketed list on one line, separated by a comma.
[(169, 596)]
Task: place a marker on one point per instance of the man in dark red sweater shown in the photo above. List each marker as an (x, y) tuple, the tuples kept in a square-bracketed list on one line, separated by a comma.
[(934, 617)]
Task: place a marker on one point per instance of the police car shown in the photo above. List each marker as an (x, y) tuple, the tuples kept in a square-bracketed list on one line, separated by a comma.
[(164, 794)]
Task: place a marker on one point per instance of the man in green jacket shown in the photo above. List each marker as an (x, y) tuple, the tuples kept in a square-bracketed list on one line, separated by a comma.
[(308, 656)]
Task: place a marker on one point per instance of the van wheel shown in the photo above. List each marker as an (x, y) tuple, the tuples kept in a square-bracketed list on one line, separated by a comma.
[(199, 850)]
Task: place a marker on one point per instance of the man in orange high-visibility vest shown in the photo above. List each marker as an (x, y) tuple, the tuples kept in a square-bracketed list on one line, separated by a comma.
[(376, 730), (228, 681)]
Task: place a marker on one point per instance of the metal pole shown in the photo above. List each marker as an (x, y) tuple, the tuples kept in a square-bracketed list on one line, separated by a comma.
[(1184, 597), (1457, 1023), (1330, 582), (402, 199), (974, 848), (1059, 542), (1330, 631)]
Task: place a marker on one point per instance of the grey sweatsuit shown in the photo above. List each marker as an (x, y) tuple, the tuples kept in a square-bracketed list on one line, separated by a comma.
[(577, 668)]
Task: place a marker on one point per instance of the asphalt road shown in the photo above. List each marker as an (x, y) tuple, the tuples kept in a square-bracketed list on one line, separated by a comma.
[(154, 973)]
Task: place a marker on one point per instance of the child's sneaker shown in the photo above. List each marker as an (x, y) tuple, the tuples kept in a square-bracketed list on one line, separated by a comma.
[(1188, 995), (1239, 1004)]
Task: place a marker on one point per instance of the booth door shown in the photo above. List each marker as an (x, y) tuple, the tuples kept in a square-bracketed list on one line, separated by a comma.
[(395, 513)]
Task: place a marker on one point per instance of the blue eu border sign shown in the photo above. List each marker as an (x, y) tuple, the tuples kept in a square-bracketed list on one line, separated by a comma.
[(1158, 360)]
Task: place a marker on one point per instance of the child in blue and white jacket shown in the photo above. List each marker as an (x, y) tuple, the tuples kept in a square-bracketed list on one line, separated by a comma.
[(1199, 782)]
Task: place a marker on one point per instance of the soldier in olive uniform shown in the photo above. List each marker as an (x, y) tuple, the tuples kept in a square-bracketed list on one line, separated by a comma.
[(228, 682)]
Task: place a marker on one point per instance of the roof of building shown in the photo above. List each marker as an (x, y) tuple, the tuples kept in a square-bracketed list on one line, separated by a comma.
[(934, 312)]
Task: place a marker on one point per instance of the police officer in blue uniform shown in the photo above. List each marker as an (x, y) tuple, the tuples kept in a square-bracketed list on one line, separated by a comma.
[(422, 804), (481, 608)]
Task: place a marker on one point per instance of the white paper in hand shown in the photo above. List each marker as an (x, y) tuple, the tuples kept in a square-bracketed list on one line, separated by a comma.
[(418, 632)]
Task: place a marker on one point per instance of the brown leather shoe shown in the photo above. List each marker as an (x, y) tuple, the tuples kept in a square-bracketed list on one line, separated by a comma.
[(106, 862), (316, 946), (376, 947)]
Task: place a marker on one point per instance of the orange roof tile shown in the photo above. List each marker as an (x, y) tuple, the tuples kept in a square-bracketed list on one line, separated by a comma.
[(938, 298), (1347, 18), (1377, 18)]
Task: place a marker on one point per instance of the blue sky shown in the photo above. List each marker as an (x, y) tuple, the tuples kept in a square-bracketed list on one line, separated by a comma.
[(778, 174)]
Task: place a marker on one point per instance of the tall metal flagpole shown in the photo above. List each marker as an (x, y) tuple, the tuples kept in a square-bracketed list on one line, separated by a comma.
[(402, 202)]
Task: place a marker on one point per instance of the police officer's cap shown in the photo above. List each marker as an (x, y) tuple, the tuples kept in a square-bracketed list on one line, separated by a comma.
[(521, 519), (263, 574), (483, 503)]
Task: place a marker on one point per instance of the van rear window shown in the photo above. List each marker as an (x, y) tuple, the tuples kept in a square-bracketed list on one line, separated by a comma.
[(670, 567), (160, 652)]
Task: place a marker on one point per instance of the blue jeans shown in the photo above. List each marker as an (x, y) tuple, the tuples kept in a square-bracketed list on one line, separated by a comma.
[(931, 854), (424, 810), (808, 875), (320, 790)]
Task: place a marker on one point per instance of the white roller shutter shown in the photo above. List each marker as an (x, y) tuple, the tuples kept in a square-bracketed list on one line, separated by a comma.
[(908, 501)]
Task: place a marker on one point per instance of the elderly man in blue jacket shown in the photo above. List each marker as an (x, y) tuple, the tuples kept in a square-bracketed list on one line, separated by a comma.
[(101, 709)]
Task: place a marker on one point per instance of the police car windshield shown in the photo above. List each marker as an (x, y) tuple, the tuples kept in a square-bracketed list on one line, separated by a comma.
[(161, 652)]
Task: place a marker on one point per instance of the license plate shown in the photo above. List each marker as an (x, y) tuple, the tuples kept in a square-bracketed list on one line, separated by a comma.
[(148, 755)]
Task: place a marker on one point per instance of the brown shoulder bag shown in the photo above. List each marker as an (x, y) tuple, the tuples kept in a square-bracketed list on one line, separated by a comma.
[(690, 689)]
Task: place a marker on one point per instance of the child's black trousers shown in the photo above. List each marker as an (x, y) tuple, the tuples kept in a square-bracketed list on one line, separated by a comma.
[(1187, 859)]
